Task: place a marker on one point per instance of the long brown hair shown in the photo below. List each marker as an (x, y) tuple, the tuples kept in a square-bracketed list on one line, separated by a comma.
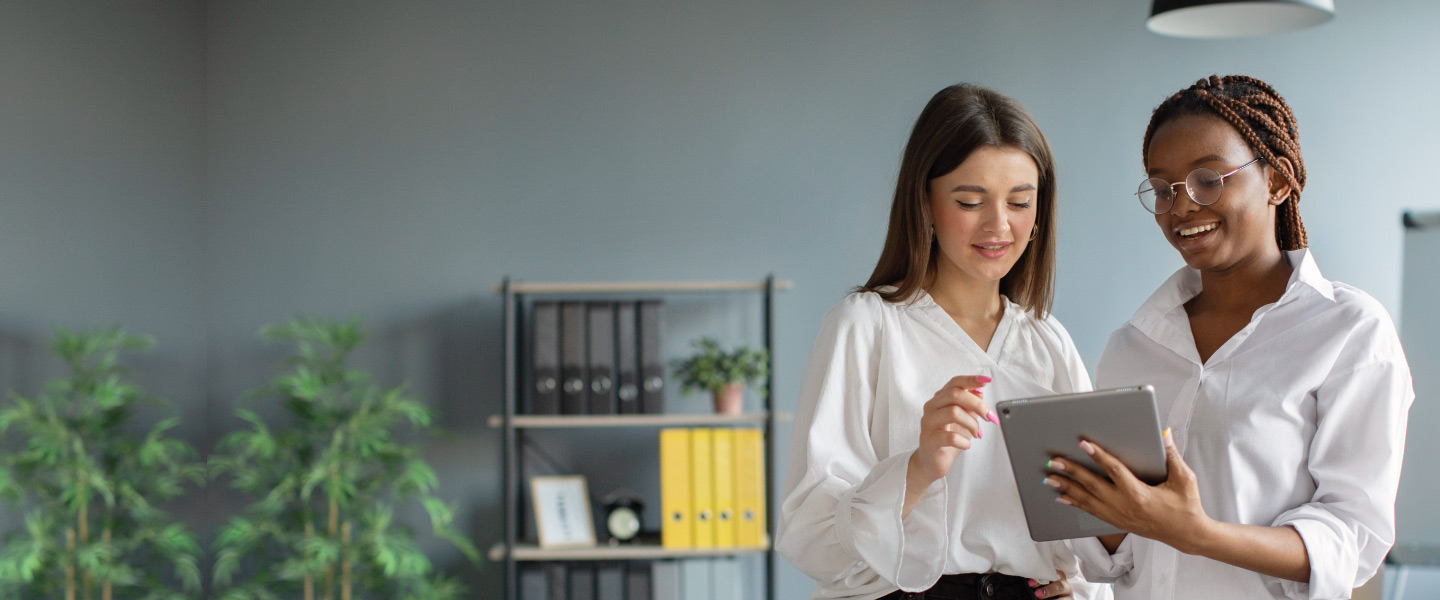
[(1266, 122), (959, 119)]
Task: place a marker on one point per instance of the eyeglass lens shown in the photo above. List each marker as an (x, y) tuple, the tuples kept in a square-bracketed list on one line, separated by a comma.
[(1203, 186)]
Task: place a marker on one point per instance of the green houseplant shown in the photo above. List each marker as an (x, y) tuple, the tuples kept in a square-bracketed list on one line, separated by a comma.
[(88, 487), (328, 483), (724, 374)]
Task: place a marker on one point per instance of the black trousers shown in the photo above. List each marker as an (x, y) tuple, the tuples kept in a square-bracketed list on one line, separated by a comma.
[(971, 586)]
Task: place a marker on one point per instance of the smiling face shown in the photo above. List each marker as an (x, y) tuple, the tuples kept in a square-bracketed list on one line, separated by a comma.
[(983, 212), (1237, 228)]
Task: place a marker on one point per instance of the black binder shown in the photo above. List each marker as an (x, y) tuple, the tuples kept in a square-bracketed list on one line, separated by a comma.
[(545, 359), (555, 574), (627, 358), (652, 362), (582, 581), (574, 381), (637, 581), (610, 581), (601, 325), (533, 585)]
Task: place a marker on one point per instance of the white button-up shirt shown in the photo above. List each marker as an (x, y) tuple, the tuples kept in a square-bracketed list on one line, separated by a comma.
[(1298, 420), (873, 367)]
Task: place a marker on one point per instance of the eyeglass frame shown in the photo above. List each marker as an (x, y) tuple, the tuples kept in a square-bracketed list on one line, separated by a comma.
[(1187, 188)]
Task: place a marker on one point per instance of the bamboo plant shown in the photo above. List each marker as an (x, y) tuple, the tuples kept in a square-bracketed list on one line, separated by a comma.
[(327, 483), (88, 488)]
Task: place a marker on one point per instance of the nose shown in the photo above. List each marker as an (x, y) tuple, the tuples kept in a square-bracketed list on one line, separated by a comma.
[(995, 221), (1181, 203)]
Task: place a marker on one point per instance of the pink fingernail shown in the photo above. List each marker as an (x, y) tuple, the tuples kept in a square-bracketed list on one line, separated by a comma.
[(1033, 583), (979, 433), (1084, 445), (983, 379), (1065, 501), (991, 416), (1039, 593)]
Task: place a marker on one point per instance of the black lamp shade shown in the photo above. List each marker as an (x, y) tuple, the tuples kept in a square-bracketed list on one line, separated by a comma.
[(1235, 18)]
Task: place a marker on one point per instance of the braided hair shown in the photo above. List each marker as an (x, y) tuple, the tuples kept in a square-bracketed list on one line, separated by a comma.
[(1261, 116)]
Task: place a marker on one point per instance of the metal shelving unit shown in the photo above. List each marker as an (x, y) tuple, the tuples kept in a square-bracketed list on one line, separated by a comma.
[(512, 550)]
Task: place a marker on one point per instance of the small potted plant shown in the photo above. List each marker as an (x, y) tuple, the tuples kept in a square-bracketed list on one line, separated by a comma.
[(724, 374)]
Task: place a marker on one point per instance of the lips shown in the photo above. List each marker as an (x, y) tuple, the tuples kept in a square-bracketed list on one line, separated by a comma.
[(992, 250)]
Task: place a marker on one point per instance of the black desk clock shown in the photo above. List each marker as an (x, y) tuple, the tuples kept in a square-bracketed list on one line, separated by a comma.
[(622, 517)]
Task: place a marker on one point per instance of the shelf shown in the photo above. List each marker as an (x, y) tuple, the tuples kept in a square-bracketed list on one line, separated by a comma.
[(633, 287), (531, 552), (662, 420)]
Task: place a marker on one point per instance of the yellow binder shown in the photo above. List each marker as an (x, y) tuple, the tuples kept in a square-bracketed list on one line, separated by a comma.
[(677, 524), (750, 489), (723, 444), (702, 486)]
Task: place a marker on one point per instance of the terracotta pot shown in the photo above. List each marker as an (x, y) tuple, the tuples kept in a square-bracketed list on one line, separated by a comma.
[(731, 400)]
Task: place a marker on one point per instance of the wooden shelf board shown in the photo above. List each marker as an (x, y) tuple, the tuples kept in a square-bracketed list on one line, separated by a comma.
[(531, 552), (662, 420), (654, 287)]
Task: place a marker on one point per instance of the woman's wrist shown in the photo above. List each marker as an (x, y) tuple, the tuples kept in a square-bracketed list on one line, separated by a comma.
[(1199, 537)]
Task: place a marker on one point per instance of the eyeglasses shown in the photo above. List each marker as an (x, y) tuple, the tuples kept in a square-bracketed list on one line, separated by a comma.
[(1202, 185)]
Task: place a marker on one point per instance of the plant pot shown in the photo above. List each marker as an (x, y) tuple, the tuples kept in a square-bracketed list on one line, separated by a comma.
[(731, 399)]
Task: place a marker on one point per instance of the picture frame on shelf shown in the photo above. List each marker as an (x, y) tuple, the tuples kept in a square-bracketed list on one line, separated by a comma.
[(562, 511)]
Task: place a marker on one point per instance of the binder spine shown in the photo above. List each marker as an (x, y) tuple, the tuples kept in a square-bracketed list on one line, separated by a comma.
[(544, 380), (600, 322), (574, 381), (627, 359), (652, 366)]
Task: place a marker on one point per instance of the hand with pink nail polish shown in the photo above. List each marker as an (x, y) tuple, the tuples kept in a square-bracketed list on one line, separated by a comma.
[(1060, 588), (949, 425)]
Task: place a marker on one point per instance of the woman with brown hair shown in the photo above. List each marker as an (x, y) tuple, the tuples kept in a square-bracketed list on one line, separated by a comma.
[(1286, 393), (892, 491)]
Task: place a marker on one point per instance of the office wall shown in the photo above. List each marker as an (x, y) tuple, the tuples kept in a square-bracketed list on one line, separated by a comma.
[(398, 159), (101, 191), (196, 170)]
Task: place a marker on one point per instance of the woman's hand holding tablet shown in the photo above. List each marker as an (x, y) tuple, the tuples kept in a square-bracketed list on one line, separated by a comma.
[(1169, 512)]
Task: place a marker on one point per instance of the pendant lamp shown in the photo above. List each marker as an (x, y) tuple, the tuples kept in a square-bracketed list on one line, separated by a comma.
[(1235, 18)]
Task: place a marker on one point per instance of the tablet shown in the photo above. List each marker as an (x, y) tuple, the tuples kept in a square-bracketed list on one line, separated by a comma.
[(1123, 421)]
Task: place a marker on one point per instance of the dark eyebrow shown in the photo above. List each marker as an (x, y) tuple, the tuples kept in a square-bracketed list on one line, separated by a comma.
[(1208, 158), (1195, 163), (980, 189)]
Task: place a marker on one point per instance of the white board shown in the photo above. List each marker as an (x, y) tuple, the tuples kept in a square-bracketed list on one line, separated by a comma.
[(1418, 506)]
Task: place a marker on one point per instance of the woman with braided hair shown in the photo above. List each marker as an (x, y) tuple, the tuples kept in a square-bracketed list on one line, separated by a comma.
[(1285, 393)]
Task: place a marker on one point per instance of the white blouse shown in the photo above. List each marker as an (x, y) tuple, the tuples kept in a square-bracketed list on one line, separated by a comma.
[(873, 367), (1299, 420)]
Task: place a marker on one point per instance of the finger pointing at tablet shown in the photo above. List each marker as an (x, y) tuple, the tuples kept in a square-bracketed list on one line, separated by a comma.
[(949, 425)]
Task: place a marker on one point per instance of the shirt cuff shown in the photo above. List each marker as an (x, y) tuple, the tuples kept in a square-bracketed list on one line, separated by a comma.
[(1098, 564), (1332, 567), (909, 552)]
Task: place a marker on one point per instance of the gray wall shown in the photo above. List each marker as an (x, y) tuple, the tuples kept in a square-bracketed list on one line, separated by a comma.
[(102, 178), (397, 159)]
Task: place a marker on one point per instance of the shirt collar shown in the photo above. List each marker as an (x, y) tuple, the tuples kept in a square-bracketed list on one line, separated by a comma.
[(1185, 284)]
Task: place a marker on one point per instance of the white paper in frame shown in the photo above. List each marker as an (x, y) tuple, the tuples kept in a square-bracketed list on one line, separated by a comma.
[(562, 511)]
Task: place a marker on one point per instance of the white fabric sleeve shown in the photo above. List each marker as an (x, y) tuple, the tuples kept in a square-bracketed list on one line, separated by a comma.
[(1077, 378), (1066, 562), (1098, 564), (840, 517), (1355, 459)]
